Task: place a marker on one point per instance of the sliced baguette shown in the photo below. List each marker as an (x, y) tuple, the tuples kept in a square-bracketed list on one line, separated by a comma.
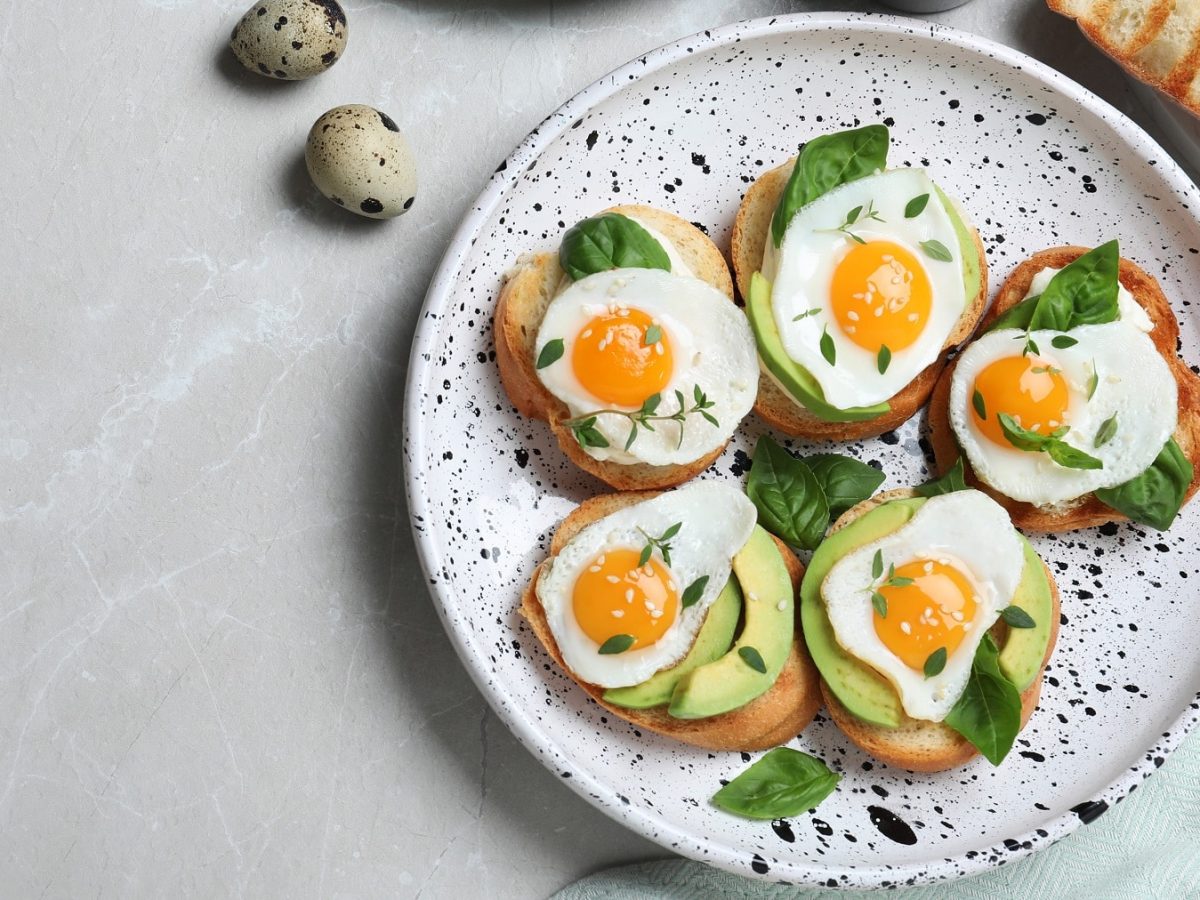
[(750, 231), (1087, 510), (527, 291), (917, 745), (1157, 41), (767, 721)]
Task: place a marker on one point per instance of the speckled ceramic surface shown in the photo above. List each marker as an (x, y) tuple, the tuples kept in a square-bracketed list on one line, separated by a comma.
[(1037, 161)]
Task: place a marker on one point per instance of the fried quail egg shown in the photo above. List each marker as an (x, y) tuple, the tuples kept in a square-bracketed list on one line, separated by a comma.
[(1110, 389), (628, 335), (957, 564), (865, 291), (597, 593)]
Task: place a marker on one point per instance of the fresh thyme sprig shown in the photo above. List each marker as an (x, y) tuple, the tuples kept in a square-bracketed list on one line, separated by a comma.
[(891, 581), (855, 216), (585, 431), (660, 543)]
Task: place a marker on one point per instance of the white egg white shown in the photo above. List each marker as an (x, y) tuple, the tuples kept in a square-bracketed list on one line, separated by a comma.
[(801, 271), (712, 345), (715, 522), (972, 532), (1133, 383)]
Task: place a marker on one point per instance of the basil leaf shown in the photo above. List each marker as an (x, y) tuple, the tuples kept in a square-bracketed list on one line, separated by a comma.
[(823, 164), (1051, 444), (751, 657), (694, 591), (988, 714), (610, 241), (937, 250), (1022, 438), (1017, 317), (551, 353), (884, 359), (916, 206), (844, 481), (949, 483), (1017, 617), (788, 496), (1071, 457), (1082, 293), (828, 349), (785, 782), (936, 662), (618, 643), (1154, 497), (1087, 288)]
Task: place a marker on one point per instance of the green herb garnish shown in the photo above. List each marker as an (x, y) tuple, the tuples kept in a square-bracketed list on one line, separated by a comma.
[(618, 643), (551, 353), (1017, 617), (753, 659), (785, 782), (936, 662), (660, 544), (916, 206), (610, 241), (583, 427), (693, 592)]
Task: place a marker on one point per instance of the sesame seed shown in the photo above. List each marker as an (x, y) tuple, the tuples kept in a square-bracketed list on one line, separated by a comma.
[(658, 348), (656, 613), (957, 616), (906, 628), (586, 334), (887, 257), (611, 579), (928, 567), (912, 317), (850, 329), (629, 595), (600, 559), (618, 613), (857, 296), (648, 605), (671, 586), (593, 568), (781, 605), (878, 311), (647, 571), (852, 316), (753, 596), (928, 611)]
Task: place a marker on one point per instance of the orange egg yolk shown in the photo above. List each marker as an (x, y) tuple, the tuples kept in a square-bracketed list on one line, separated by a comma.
[(614, 362), (880, 295), (1028, 388), (615, 595), (936, 610)]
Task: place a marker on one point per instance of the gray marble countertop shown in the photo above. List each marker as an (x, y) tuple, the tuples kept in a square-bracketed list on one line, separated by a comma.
[(222, 673)]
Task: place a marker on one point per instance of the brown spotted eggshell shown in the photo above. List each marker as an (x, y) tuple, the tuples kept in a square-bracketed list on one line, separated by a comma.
[(290, 39), (358, 158)]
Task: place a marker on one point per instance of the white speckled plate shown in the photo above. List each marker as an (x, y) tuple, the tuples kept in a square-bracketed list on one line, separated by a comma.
[(1037, 161)]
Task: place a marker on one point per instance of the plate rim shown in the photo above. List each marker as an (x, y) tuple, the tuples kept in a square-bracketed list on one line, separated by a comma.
[(541, 744)]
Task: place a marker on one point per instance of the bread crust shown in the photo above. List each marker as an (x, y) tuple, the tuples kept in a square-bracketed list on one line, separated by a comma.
[(771, 719), (917, 745), (1174, 79), (750, 232), (527, 291), (1086, 511)]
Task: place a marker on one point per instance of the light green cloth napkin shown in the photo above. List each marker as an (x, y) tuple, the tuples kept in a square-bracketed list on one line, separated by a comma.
[(1147, 846)]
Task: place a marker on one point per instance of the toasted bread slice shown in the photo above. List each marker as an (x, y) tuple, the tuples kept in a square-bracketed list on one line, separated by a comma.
[(918, 745), (767, 721), (750, 231), (1157, 41), (528, 289), (1087, 510)]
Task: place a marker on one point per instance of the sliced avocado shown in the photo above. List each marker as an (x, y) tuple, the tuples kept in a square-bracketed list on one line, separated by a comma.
[(862, 690), (712, 642), (794, 377), (1021, 658), (768, 627), (966, 245)]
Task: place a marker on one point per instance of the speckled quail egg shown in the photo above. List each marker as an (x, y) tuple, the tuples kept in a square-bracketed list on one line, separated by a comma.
[(358, 158), (290, 39)]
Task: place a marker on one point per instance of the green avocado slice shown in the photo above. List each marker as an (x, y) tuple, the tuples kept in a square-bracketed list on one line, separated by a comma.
[(768, 628), (712, 642), (862, 690), (796, 379)]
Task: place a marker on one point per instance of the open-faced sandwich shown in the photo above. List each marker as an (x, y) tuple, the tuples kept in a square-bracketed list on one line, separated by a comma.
[(627, 341), (676, 612), (1072, 408), (856, 279), (931, 620)]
